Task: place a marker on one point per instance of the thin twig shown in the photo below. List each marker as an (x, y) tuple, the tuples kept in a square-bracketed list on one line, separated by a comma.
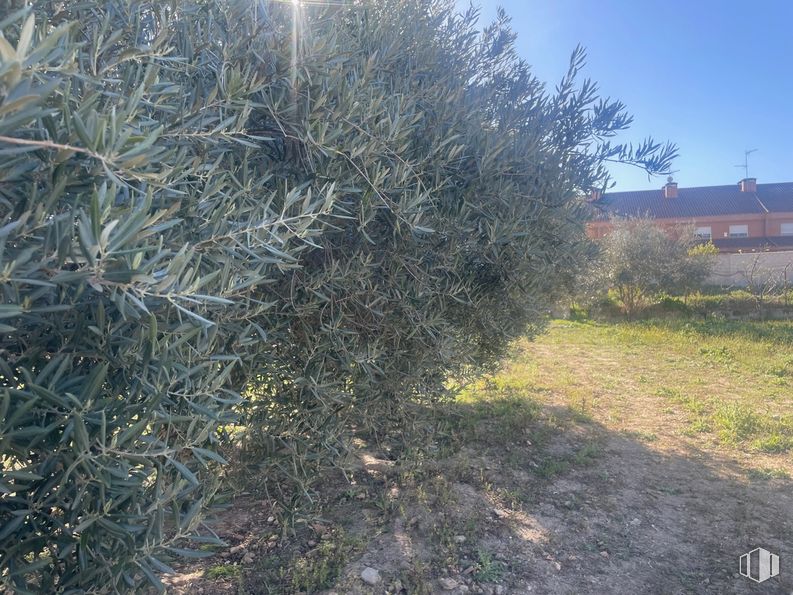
[(45, 144)]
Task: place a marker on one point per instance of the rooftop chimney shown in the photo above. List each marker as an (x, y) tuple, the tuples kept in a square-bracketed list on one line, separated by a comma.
[(748, 185), (670, 189)]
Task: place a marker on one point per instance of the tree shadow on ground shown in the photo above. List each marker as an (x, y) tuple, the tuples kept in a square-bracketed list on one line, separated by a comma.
[(513, 495), (545, 500)]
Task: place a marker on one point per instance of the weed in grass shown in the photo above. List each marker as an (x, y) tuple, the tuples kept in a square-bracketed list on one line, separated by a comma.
[(641, 435), (669, 393), (441, 490), (580, 417), (671, 490), (488, 569), (501, 405), (415, 580), (515, 460), (348, 495), (689, 403), (774, 443), (226, 571), (695, 406), (209, 547), (510, 497), (552, 467), (781, 371), (736, 422), (699, 426), (446, 549), (721, 355), (473, 526), (579, 400), (318, 568), (588, 453), (422, 497), (767, 474), (385, 503)]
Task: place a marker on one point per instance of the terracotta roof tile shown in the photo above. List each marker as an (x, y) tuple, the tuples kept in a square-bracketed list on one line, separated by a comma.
[(703, 201)]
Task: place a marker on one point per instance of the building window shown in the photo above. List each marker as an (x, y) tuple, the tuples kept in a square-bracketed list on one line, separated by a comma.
[(786, 229), (703, 233), (739, 231)]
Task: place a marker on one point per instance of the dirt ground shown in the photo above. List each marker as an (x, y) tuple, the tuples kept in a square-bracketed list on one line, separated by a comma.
[(531, 495)]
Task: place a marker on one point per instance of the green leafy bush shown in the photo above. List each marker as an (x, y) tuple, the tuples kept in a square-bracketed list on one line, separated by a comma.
[(641, 261), (297, 218)]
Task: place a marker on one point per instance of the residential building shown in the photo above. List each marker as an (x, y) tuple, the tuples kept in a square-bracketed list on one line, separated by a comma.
[(743, 217)]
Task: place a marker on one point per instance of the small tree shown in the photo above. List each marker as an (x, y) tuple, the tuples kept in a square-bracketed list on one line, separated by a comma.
[(639, 259), (697, 266), (764, 282)]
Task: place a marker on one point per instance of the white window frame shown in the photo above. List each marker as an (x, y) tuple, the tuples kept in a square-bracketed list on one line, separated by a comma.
[(786, 228), (704, 232), (739, 231)]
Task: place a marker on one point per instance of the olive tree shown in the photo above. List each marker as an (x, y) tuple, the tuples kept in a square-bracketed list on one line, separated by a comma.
[(295, 219), (639, 259)]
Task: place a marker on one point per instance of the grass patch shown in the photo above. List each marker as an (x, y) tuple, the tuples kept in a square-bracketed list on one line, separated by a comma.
[(219, 571), (587, 454), (552, 467), (300, 570), (736, 422), (767, 474), (699, 426), (488, 569), (640, 435), (720, 355), (318, 568), (494, 414), (731, 378), (775, 442)]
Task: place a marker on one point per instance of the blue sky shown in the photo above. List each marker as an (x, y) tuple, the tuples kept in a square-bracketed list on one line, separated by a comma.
[(714, 77)]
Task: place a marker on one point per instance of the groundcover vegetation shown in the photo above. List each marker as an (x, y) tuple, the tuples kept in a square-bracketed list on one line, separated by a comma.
[(293, 218)]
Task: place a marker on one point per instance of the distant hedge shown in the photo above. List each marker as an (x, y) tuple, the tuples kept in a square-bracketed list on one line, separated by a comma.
[(296, 218)]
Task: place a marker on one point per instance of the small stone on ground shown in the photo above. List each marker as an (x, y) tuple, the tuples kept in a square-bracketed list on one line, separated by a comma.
[(447, 584), (370, 576)]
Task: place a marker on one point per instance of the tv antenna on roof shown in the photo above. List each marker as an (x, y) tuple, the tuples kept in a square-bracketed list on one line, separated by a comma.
[(745, 164)]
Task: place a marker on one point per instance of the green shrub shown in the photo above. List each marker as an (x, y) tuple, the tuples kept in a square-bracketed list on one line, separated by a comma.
[(672, 304), (579, 313), (325, 210), (641, 262)]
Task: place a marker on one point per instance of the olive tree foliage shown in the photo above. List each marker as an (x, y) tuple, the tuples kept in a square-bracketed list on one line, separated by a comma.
[(298, 219), (639, 260)]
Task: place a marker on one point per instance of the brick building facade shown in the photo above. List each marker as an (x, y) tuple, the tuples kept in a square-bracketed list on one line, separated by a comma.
[(745, 217)]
